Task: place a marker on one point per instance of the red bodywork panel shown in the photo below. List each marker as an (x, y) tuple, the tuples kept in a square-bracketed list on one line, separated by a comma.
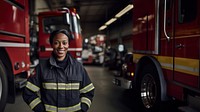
[(14, 33), (183, 47)]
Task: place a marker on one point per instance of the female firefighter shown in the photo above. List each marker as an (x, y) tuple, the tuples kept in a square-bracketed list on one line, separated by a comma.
[(60, 83)]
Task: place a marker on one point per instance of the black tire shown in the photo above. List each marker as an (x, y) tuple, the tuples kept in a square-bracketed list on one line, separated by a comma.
[(148, 89), (3, 87)]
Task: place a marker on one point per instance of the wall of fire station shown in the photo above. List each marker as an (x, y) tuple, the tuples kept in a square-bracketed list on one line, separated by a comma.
[(121, 32)]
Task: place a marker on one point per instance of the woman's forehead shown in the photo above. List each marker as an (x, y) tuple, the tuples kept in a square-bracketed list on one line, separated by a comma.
[(61, 36)]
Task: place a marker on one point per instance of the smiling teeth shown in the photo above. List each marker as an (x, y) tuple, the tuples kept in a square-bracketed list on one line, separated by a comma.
[(60, 51)]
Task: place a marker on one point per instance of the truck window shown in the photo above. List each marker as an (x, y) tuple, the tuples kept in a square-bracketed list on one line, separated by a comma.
[(187, 10), (54, 22)]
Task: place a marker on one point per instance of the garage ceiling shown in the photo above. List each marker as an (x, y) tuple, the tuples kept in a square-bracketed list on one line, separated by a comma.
[(93, 13)]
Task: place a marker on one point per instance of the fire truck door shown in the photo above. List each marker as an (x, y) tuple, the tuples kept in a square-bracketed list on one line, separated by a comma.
[(186, 43)]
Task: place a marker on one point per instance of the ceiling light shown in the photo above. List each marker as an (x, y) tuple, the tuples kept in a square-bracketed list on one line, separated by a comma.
[(110, 21), (102, 27), (118, 15), (122, 12)]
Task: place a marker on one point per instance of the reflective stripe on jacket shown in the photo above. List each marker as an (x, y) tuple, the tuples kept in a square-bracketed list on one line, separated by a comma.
[(61, 90)]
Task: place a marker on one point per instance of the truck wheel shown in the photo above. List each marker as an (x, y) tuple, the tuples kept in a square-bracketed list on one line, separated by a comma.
[(148, 89), (3, 87)]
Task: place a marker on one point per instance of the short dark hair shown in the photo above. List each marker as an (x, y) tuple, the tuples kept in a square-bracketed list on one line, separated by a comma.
[(54, 33)]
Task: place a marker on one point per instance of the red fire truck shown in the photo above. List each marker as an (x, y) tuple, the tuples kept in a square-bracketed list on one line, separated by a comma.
[(166, 52), (14, 48), (60, 19)]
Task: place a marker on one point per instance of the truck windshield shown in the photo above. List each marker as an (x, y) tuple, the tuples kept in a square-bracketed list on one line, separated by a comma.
[(52, 23)]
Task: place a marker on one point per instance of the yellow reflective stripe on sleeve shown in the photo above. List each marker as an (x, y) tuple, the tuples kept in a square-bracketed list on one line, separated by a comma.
[(51, 108), (87, 88), (32, 87), (61, 86), (34, 103), (86, 101)]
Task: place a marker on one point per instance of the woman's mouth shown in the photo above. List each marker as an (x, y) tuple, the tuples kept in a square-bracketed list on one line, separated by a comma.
[(60, 51)]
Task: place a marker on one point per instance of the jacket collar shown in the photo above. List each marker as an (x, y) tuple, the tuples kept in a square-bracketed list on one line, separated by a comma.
[(52, 60)]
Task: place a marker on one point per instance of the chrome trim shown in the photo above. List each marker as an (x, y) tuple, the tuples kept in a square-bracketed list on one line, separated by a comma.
[(12, 44), (165, 11), (12, 34), (157, 4)]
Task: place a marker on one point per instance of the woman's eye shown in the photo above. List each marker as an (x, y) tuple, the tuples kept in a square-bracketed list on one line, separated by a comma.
[(55, 43), (64, 42)]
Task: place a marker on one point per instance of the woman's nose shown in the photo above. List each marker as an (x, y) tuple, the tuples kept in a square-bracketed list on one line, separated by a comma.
[(60, 45)]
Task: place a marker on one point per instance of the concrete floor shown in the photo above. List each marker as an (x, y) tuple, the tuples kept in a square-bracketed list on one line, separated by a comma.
[(108, 97)]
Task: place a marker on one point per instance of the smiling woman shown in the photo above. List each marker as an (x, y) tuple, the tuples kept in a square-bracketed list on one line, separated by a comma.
[(72, 91)]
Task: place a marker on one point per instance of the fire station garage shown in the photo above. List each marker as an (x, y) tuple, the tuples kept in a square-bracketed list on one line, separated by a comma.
[(137, 56)]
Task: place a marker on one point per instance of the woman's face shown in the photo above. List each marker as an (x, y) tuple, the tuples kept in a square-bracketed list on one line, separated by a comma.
[(60, 46)]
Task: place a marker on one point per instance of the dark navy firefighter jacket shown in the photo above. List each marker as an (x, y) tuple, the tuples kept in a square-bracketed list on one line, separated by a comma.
[(57, 89)]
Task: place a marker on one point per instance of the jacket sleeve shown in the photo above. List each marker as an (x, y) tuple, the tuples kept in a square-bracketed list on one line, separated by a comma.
[(31, 91), (87, 92)]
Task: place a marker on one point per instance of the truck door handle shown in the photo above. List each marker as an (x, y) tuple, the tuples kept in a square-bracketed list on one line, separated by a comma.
[(179, 46), (165, 16)]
